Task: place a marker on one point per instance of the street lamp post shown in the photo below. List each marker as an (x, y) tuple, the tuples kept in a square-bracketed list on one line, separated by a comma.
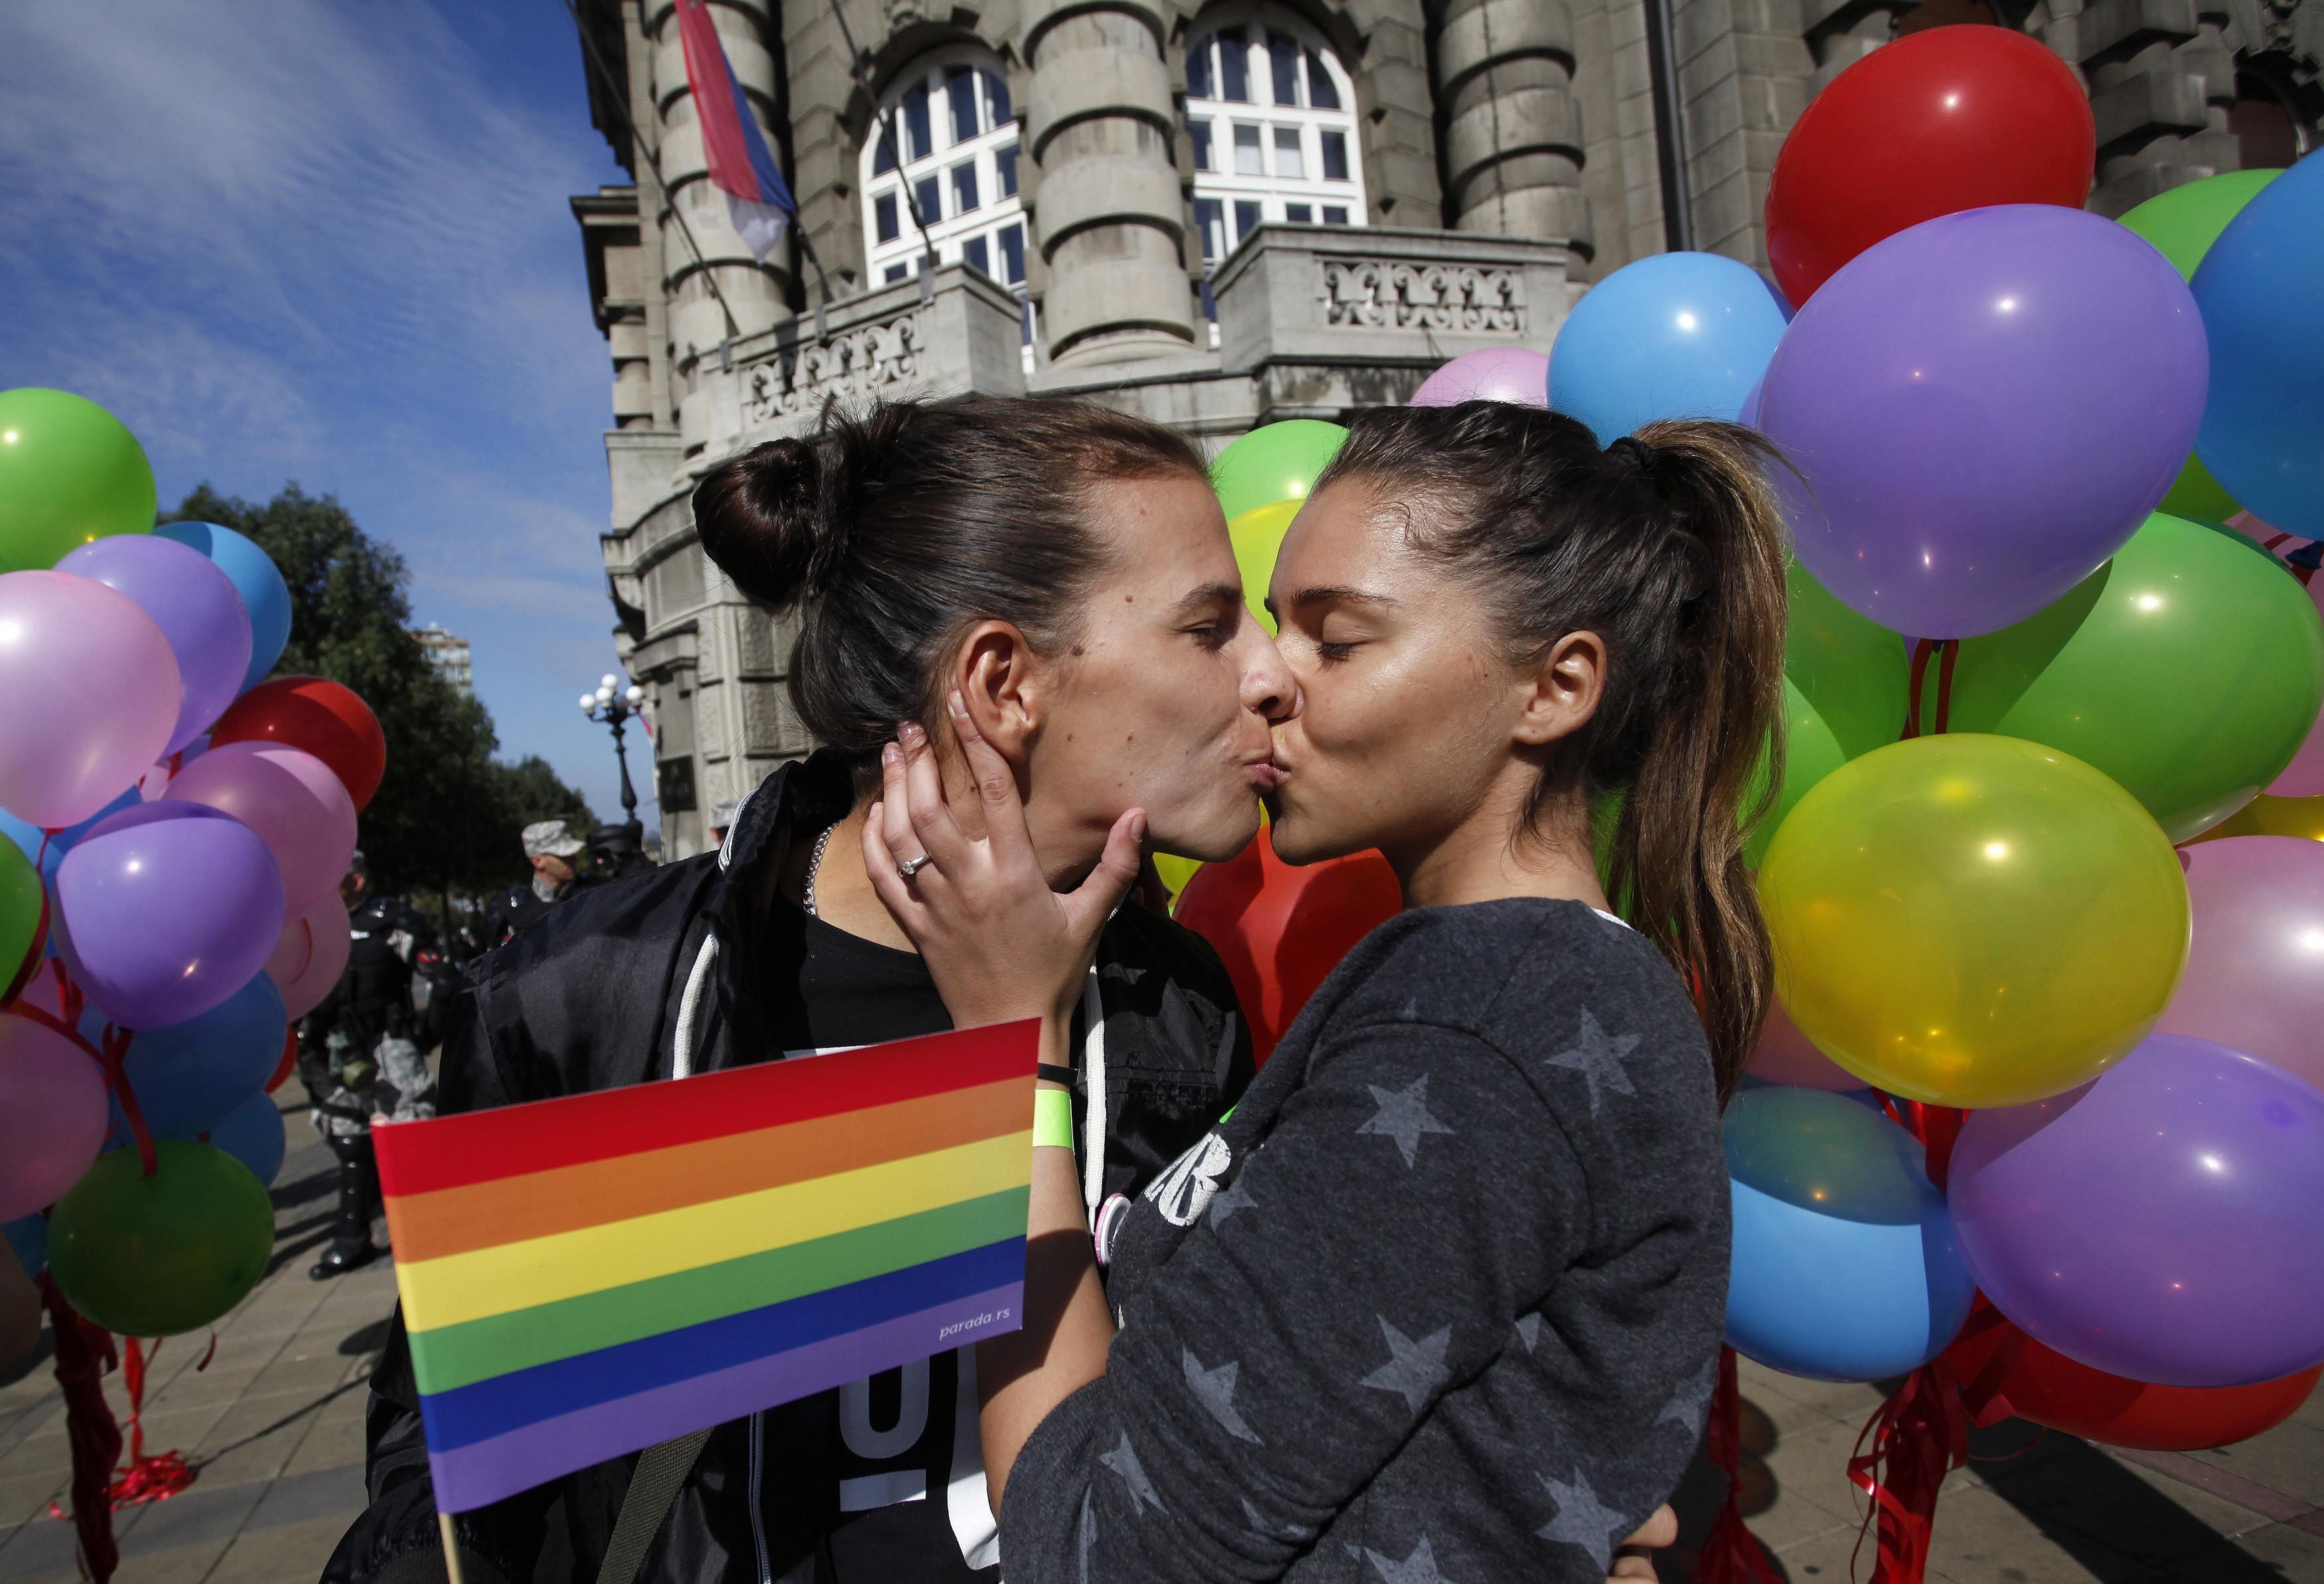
[(614, 707)]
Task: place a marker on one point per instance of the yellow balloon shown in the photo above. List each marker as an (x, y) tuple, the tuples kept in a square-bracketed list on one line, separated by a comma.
[(1258, 536), (2267, 816), (1176, 871), (1973, 921)]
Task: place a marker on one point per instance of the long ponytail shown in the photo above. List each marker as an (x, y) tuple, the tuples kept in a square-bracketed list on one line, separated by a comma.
[(1669, 545)]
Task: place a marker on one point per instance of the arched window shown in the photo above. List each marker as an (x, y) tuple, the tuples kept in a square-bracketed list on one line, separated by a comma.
[(945, 141), (1271, 113)]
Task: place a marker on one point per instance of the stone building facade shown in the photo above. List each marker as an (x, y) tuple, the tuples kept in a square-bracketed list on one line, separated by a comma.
[(1218, 215)]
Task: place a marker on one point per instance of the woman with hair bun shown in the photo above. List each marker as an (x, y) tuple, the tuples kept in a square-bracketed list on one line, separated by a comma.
[(1441, 1300), (1064, 569)]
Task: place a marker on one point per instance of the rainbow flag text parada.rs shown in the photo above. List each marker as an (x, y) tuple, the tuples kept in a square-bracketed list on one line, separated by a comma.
[(584, 1277)]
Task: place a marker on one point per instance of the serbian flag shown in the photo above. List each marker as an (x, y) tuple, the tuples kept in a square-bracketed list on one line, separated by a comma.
[(741, 166), (584, 1276)]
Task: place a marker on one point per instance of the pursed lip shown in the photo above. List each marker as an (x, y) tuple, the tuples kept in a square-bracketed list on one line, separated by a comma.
[(1264, 773)]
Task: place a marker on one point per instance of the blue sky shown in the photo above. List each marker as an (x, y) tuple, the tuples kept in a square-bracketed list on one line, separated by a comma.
[(329, 240)]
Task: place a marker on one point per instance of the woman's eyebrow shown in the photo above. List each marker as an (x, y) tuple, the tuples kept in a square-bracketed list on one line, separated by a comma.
[(1337, 594), (1209, 596)]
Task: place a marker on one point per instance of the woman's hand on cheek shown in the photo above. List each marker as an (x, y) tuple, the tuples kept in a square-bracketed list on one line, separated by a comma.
[(1000, 944)]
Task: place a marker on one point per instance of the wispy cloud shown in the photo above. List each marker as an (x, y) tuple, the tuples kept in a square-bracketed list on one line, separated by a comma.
[(329, 241)]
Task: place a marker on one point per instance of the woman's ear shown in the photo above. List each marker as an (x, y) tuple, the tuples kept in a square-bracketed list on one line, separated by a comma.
[(1562, 692), (999, 678)]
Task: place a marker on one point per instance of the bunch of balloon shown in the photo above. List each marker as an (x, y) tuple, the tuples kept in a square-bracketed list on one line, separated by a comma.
[(2024, 1048), (178, 827)]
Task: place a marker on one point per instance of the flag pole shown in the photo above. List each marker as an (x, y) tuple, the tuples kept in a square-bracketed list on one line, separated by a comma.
[(451, 1549)]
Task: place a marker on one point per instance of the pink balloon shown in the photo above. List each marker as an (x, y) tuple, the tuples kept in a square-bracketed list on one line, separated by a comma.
[(2254, 978), (291, 798), (52, 1115), (1786, 1055), (88, 679), (309, 957), (2304, 776), (1494, 374)]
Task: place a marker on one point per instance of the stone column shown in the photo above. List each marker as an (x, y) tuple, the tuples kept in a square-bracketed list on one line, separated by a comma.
[(757, 295), (1107, 206), (1513, 144), (2161, 81), (1396, 113)]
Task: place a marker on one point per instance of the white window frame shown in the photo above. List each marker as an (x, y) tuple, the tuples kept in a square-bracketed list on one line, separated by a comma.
[(1274, 194), (950, 231)]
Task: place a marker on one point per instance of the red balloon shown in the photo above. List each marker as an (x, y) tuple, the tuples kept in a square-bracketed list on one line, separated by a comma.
[(1282, 929), (1953, 118), (2043, 1385), (319, 716), (289, 1059)]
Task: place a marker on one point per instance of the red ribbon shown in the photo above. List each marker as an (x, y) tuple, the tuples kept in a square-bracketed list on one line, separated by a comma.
[(1918, 1436), (158, 1477), (1947, 651), (83, 1353), (1731, 1553)]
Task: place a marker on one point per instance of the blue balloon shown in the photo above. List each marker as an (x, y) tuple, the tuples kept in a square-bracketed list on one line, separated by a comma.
[(28, 1236), (2263, 434), (1846, 1267), (252, 1133), (256, 578), (187, 1077), (1675, 335)]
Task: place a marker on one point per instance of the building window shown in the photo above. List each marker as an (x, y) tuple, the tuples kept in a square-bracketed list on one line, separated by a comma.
[(1264, 83), (965, 191)]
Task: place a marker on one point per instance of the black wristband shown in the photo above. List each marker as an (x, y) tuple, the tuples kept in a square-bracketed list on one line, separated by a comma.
[(1050, 1072)]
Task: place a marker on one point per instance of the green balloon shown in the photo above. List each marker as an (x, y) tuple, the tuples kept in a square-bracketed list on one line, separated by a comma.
[(1274, 462), (154, 1256), (69, 473), (20, 912), (2184, 222), (1854, 673), (2196, 494), (2190, 669), (1810, 752)]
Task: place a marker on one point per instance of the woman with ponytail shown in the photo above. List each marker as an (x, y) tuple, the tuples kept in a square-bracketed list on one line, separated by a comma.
[(1441, 1297)]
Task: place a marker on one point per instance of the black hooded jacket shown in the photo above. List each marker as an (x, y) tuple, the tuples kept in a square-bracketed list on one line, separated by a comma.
[(678, 970)]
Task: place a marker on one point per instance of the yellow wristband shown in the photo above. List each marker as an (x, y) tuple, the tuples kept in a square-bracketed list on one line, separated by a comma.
[(1053, 1118)]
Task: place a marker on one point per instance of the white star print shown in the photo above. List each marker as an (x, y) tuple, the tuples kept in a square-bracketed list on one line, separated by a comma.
[(1581, 1519), (1123, 1460), (1214, 1390), (1402, 1115), (1419, 1568), (1598, 1057), (1529, 1330), (1236, 1197), (1691, 1401), (1414, 1369)]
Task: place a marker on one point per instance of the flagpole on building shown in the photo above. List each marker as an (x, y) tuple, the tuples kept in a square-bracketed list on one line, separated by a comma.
[(653, 161), (861, 71)]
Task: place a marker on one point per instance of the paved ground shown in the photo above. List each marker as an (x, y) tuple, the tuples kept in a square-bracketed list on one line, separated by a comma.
[(275, 1427)]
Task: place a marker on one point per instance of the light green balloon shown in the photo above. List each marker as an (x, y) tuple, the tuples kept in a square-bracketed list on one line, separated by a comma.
[(1810, 752), (1854, 673), (69, 473), (2189, 669), (1274, 462), (2184, 222)]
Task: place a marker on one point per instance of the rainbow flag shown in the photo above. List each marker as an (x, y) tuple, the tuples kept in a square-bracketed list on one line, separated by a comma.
[(584, 1277)]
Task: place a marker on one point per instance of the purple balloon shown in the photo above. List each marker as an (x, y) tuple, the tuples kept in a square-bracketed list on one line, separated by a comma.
[(92, 691), (194, 605), (1983, 408), (166, 910), (1495, 374), (2160, 1221)]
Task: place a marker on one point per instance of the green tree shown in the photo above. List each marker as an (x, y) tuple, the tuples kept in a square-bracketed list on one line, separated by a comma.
[(446, 816)]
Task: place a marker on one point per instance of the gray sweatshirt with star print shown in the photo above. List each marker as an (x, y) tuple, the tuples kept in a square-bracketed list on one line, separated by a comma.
[(1440, 1299)]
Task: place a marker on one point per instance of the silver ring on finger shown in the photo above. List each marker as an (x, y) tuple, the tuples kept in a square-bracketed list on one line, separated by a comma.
[(911, 866)]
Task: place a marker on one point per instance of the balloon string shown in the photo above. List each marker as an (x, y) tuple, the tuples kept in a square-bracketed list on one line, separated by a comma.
[(33, 955), (1919, 1435), (1731, 1553), (1922, 649), (158, 1477), (115, 1049), (84, 1352)]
